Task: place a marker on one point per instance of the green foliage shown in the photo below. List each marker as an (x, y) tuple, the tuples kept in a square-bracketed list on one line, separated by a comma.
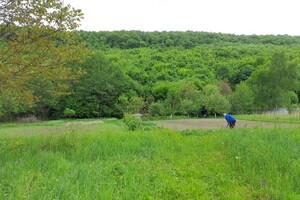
[(97, 92), (36, 43), (9, 107), (160, 90), (68, 113), (292, 96), (213, 101), (133, 122), (173, 101), (186, 40), (136, 105), (123, 103), (272, 83), (242, 99), (157, 108), (157, 71)]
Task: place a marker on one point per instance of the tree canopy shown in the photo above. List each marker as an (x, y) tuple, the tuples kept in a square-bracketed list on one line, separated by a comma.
[(273, 82), (96, 93), (36, 43), (187, 40)]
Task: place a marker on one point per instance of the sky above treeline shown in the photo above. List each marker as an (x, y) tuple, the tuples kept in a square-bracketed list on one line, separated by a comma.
[(248, 17)]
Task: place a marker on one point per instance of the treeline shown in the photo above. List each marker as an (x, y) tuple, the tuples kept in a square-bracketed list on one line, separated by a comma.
[(187, 40)]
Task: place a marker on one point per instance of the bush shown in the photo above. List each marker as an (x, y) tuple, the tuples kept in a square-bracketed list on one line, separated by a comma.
[(68, 113), (157, 109), (132, 122)]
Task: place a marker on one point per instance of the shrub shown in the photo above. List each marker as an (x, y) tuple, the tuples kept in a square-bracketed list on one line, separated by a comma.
[(157, 109), (69, 113), (132, 122)]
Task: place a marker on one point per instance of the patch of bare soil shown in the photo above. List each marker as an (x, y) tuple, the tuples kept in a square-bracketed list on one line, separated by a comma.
[(185, 124)]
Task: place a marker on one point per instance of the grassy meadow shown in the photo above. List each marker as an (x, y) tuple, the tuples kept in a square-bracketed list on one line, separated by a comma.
[(52, 160), (293, 117)]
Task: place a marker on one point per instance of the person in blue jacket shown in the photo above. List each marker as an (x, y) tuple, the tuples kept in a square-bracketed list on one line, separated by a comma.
[(230, 120)]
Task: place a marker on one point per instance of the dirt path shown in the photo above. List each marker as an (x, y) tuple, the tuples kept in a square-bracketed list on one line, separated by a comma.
[(214, 124)]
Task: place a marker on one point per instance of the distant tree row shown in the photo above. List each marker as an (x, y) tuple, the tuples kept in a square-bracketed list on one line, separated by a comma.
[(187, 40)]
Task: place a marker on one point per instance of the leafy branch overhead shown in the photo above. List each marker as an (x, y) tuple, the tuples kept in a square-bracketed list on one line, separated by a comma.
[(36, 43)]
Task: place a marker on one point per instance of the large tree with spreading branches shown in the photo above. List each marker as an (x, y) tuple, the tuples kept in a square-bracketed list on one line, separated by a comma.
[(36, 42)]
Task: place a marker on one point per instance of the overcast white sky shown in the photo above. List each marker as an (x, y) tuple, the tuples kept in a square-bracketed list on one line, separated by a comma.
[(248, 17)]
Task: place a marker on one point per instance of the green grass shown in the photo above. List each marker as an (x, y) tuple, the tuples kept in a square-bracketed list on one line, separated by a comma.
[(49, 123), (106, 161), (284, 118)]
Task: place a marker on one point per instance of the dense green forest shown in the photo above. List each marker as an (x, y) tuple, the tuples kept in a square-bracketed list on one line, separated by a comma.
[(186, 73), (176, 73)]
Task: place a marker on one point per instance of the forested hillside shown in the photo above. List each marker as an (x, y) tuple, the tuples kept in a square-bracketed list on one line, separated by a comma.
[(189, 73), (179, 73)]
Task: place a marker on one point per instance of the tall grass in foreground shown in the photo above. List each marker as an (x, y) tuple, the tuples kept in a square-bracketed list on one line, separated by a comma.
[(266, 161), (106, 161)]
